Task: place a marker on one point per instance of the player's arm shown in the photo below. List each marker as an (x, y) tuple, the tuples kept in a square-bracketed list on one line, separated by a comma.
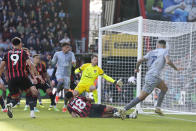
[(110, 79), (33, 70), (54, 60), (170, 63), (2, 67), (73, 60), (140, 61), (172, 8), (80, 69)]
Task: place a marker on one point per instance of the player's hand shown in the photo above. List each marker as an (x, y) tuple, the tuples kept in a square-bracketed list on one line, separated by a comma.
[(137, 70), (119, 83), (42, 80)]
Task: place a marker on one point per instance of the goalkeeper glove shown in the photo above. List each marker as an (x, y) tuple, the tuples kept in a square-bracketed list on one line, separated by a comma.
[(118, 83)]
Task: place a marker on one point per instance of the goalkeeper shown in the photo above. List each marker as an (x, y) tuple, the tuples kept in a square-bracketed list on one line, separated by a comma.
[(90, 71)]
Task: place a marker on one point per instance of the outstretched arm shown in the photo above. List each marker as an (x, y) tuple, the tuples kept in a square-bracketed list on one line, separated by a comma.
[(170, 63), (139, 63)]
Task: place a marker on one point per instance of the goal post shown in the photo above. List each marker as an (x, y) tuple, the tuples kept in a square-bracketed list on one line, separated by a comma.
[(122, 44)]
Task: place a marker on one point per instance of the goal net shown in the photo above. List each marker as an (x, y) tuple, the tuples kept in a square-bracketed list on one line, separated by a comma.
[(122, 44)]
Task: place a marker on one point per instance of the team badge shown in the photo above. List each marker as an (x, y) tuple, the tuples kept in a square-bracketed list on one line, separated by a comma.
[(95, 71)]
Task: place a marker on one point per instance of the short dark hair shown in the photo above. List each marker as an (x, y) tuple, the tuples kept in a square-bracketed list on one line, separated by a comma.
[(16, 41), (25, 49), (162, 42), (69, 95), (65, 44), (94, 56)]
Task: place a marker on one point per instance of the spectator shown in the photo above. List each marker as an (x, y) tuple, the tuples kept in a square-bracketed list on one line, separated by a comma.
[(65, 39)]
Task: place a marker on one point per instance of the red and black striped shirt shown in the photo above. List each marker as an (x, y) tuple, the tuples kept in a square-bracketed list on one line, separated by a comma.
[(41, 69), (16, 63), (80, 106)]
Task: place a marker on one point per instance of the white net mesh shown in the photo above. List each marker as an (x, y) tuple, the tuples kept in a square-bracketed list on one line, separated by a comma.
[(119, 57)]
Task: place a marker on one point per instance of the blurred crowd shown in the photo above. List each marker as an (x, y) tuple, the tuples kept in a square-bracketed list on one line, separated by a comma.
[(41, 24)]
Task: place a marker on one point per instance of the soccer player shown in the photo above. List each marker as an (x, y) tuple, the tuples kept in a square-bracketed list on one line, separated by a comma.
[(64, 60), (2, 103), (156, 60), (45, 78), (90, 72), (82, 107), (16, 61)]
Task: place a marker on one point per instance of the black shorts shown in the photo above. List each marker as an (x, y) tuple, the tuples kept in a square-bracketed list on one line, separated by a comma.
[(16, 85), (44, 87), (97, 110)]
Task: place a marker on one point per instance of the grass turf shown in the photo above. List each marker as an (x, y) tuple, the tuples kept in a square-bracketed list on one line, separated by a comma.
[(58, 121)]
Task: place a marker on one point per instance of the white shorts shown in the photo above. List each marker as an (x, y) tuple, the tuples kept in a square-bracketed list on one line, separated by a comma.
[(66, 80)]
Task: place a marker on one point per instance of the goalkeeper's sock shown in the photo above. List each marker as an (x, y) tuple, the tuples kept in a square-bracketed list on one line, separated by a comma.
[(160, 98), (131, 104), (95, 96)]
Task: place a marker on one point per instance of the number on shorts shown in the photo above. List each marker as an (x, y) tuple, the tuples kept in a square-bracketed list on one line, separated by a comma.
[(14, 58)]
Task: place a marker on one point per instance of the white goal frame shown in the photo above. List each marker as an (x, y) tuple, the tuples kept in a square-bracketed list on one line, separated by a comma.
[(140, 35)]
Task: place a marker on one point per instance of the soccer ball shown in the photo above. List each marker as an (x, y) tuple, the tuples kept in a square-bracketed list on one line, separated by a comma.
[(132, 80)]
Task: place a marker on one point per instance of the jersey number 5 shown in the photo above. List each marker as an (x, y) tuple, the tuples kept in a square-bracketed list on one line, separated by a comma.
[(14, 58)]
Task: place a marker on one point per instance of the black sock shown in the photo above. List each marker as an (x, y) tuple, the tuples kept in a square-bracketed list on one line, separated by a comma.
[(52, 98), (32, 102), (2, 103), (14, 101), (114, 110), (27, 101), (8, 99)]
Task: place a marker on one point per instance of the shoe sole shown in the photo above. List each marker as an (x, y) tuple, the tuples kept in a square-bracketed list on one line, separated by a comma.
[(159, 113), (9, 111)]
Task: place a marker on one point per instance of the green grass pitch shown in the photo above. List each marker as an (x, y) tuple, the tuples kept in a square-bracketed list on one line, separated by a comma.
[(58, 121)]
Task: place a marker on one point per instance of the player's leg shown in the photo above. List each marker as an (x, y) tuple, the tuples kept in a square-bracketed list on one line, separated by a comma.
[(52, 96), (66, 89), (32, 96), (26, 104), (2, 103), (163, 87), (40, 100), (95, 93), (59, 86)]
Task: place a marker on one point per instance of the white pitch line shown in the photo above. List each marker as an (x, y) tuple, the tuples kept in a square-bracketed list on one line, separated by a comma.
[(174, 118)]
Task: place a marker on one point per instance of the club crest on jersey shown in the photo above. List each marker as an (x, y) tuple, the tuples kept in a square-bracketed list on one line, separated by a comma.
[(95, 71)]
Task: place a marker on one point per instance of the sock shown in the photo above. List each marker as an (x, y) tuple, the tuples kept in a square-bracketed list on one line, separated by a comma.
[(95, 96), (14, 101), (8, 99), (39, 98), (27, 101), (32, 101), (160, 98), (52, 98), (60, 86), (114, 110), (2, 102), (65, 102), (131, 104)]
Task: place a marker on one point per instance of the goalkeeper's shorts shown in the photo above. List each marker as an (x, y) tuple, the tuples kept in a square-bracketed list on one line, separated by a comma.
[(82, 88)]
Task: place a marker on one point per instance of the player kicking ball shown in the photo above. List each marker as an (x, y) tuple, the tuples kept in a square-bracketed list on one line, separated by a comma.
[(90, 72), (82, 107), (156, 60)]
